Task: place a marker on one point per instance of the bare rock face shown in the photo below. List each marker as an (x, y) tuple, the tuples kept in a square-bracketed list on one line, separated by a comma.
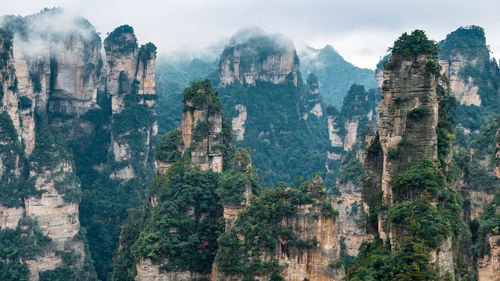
[(147, 271), (351, 212), (333, 129), (461, 51), (464, 90), (313, 264), (489, 265), (57, 216), (406, 140)]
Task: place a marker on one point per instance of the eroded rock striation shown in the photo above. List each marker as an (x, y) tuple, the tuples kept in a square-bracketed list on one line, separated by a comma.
[(58, 92)]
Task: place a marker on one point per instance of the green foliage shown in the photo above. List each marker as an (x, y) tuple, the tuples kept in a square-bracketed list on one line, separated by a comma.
[(417, 179), (489, 224), (200, 95), (105, 201), (276, 277), (275, 128), (37, 84), (25, 242), (328, 211), (133, 118), (14, 272), (444, 130), (414, 44), (231, 186), (24, 103), (168, 147), (417, 113), (172, 77), (465, 39), (173, 233), (260, 229), (433, 67), (121, 40), (14, 182), (147, 52), (50, 149), (201, 131), (58, 274), (376, 261), (69, 187), (420, 219), (393, 153), (352, 169)]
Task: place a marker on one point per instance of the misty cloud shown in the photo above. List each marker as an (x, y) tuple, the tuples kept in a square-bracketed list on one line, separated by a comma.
[(35, 35), (361, 30)]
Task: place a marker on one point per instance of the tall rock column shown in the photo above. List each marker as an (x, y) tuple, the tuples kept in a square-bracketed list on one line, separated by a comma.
[(131, 87), (408, 120), (406, 161)]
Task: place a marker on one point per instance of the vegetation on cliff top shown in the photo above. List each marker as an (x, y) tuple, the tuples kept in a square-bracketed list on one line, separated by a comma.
[(122, 40), (260, 229)]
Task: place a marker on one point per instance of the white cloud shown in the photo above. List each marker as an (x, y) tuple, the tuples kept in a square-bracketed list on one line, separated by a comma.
[(361, 30)]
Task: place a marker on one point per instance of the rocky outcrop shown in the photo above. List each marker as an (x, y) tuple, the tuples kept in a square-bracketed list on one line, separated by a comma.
[(239, 121), (461, 53), (131, 85), (464, 90), (244, 62), (407, 89), (202, 128), (489, 265), (311, 101), (312, 225), (200, 139), (147, 271), (350, 207), (407, 135)]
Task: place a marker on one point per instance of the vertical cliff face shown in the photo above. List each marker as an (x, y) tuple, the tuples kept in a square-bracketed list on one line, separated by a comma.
[(489, 264), (465, 59), (461, 52), (497, 145), (131, 86), (48, 79), (347, 126), (202, 128), (311, 101), (405, 136), (303, 241), (412, 144), (57, 114)]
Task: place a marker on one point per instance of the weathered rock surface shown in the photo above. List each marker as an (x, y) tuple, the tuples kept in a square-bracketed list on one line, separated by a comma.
[(489, 265), (464, 90), (201, 130)]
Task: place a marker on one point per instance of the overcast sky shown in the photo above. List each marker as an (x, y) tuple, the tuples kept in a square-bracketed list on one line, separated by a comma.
[(360, 30)]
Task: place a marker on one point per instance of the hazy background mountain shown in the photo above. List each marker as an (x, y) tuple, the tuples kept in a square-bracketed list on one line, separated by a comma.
[(334, 73)]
